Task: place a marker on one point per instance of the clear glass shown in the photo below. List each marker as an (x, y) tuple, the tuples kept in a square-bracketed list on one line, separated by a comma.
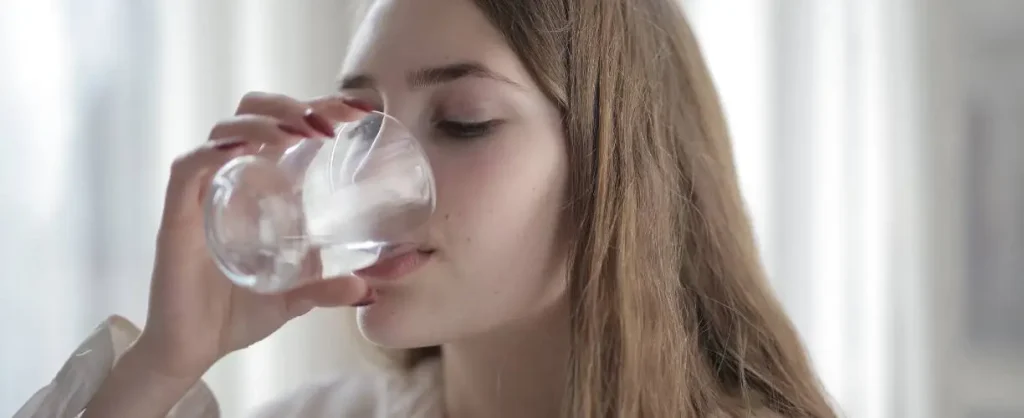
[(273, 224)]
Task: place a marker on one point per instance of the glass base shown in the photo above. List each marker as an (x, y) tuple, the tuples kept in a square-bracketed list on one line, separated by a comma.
[(318, 263)]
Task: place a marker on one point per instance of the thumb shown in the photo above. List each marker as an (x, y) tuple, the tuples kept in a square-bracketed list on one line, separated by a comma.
[(338, 291)]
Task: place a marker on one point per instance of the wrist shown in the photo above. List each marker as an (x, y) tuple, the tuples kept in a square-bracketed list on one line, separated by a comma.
[(156, 369), (164, 362), (139, 386)]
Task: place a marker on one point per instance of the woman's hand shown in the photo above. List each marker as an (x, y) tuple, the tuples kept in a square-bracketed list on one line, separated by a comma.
[(196, 316)]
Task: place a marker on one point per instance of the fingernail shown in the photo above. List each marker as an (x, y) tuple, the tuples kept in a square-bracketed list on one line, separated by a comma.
[(319, 123), (291, 130), (369, 299), (227, 145), (359, 104)]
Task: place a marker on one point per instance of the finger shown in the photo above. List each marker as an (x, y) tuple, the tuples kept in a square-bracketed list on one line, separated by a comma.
[(191, 174), (340, 291), (259, 128), (289, 111), (275, 136), (336, 108)]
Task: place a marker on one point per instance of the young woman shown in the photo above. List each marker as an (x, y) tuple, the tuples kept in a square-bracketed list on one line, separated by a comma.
[(589, 256)]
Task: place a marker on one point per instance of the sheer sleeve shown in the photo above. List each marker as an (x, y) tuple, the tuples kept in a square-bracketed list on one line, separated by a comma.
[(84, 371)]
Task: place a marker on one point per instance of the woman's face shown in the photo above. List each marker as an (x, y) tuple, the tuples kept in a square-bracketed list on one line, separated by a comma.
[(496, 147)]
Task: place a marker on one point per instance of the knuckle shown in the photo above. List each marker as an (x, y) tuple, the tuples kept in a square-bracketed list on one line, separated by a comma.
[(220, 129), (261, 121), (242, 125), (254, 97), (260, 102), (182, 162)]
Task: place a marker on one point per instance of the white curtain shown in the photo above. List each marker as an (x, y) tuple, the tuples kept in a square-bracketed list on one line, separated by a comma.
[(822, 98), (97, 99), (826, 100)]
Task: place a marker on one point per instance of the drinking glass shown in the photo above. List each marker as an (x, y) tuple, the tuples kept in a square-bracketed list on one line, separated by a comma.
[(272, 222)]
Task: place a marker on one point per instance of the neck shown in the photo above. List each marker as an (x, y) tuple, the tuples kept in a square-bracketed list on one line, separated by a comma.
[(519, 371)]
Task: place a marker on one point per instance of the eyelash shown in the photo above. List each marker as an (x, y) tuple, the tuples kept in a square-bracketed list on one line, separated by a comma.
[(467, 130), (451, 128)]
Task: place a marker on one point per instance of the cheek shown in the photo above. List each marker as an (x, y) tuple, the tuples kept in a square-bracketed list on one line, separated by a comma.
[(499, 202)]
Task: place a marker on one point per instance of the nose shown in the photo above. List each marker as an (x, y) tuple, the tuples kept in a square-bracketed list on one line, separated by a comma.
[(387, 174), (382, 154), (390, 150), (375, 147)]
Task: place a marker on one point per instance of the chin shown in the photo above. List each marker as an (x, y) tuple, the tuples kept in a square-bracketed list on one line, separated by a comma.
[(392, 324)]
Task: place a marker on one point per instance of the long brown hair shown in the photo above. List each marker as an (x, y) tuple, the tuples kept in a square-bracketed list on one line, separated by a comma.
[(671, 314)]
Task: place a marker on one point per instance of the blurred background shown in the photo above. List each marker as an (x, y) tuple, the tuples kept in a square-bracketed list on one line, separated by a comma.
[(880, 145)]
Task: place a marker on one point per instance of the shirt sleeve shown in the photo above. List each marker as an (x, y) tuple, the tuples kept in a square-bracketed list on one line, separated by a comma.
[(87, 367)]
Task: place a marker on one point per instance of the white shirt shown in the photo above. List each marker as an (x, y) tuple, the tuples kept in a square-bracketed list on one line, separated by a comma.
[(413, 395)]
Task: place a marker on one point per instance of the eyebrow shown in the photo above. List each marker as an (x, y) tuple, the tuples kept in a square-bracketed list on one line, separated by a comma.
[(430, 76)]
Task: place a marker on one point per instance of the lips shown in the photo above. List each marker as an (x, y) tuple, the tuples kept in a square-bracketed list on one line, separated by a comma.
[(396, 262)]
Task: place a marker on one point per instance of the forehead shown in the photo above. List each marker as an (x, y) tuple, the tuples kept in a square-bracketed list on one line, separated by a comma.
[(398, 36)]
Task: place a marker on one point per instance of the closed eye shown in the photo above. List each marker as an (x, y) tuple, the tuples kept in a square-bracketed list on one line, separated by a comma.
[(467, 130)]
